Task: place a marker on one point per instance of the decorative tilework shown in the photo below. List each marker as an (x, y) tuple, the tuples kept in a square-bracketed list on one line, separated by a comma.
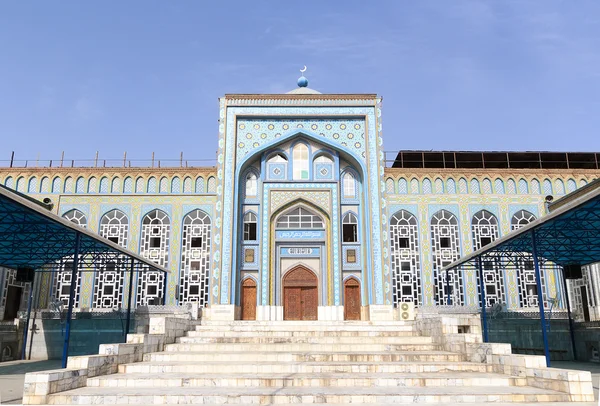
[(475, 186), (523, 187), (451, 186), (128, 185), (499, 186), (116, 185), (571, 185), (93, 185), (414, 186), (139, 185), (276, 171), (323, 171), (69, 185), (32, 187), (487, 186), (389, 186), (535, 187), (200, 185), (559, 187), (151, 185), (103, 185), (163, 185), (212, 185), (462, 186), (547, 187), (176, 185), (511, 188), (80, 185), (439, 186), (187, 185), (45, 185)]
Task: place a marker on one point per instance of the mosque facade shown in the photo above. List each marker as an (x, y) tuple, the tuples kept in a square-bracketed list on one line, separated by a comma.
[(301, 218)]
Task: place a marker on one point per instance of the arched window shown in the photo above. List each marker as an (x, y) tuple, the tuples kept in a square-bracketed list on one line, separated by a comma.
[(115, 186), (20, 184), (45, 185), (56, 185), (526, 281), (523, 187), (163, 185), (300, 162), (571, 185), (390, 186), (445, 244), (475, 186), (104, 185), (200, 185), (69, 185), (109, 280), (427, 186), (405, 261), (77, 217), (462, 186), (151, 185), (250, 226), (439, 186), (80, 185), (414, 186), (547, 187), (187, 185), (487, 186), (32, 187), (176, 185), (156, 230), (251, 185), (499, 186), (277, 167), (211, 185), (535, 187), (139, 185), (194, 276), (349, 228), (402, 186), (511, 187), (92, 185), (484, 227), (323, 159), (451, 186), (349, 186), (64, 273), (300, 218), (520, 219), (559, 187), (9, 182), (128, 185)]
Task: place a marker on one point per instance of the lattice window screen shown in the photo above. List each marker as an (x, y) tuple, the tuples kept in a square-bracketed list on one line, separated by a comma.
[(445, 243), (194, 275), (110, 276), (405, 260), (156, 230), (484, 227)]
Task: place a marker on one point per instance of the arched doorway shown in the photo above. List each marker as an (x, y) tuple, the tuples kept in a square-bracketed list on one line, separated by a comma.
[(352, 299), (248, 299), (300, 294)]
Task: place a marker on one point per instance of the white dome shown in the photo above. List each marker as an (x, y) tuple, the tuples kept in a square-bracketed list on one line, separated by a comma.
[(303, 90)]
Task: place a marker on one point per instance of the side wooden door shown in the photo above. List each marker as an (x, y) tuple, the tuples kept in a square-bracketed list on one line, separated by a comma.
[(351, 299), (248, 299)]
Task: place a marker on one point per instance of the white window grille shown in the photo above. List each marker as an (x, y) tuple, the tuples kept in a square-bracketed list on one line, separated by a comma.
[(300, 163), (349, 185), (405, 260), (484, 227), (390, 186), (109, 280), (63, 275), (194, 277), (251, 185), (445, 243), (156, 230), (299, 218), (528, 292)]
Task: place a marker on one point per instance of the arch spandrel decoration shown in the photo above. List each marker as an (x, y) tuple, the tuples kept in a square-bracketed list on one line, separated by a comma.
[(281, 198)]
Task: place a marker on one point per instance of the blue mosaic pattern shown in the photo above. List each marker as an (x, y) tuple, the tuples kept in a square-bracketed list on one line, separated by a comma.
[(323, 171), (45, 185), (276, 171), (351, 266)]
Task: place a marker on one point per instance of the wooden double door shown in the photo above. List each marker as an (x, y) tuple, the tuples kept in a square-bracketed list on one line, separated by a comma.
[(300, 295)]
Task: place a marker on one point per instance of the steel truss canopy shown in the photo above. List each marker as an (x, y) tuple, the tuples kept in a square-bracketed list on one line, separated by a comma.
[(32, 236), (568, 235)]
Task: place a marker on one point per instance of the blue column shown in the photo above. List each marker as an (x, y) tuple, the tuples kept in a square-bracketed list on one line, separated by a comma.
[(538, 282), (129, 299), (482, 300), (71, 299)]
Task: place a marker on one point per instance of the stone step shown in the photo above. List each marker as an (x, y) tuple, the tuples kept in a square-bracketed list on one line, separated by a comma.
[(307, 395), (308, 333), (141, 380), (297, 347), (306, 339), (252, 367), (313, 323), (296, 327), (329, 356)]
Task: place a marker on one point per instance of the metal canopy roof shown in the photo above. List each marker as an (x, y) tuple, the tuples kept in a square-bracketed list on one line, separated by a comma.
[(32, 236), (570, 234)]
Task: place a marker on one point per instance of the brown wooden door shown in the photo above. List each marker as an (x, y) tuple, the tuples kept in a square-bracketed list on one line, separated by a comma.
[(248, 299), (351, 299), (300, 295)]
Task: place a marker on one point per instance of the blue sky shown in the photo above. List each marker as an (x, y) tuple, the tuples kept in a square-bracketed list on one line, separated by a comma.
[(144, 76)]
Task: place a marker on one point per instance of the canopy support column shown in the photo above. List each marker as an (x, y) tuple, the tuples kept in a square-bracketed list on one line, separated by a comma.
[(74, 271), (129, 299), (538, 282), (571, 328), (482, 300)]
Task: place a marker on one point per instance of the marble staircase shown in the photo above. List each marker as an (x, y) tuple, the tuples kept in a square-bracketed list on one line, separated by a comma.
[(306, 363)]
